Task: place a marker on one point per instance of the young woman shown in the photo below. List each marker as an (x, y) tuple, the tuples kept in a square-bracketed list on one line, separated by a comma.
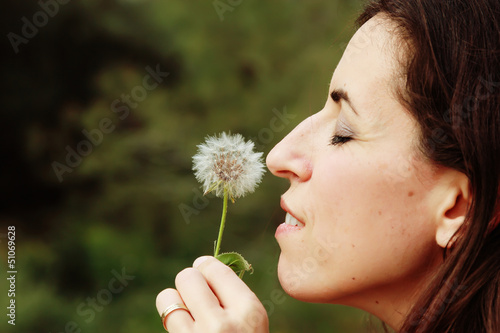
[(394, 184)]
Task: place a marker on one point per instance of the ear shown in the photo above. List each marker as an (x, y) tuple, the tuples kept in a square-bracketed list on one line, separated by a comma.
[(452, 205)]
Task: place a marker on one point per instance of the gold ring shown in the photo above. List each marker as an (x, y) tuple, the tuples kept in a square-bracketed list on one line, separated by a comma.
[(169, 310)]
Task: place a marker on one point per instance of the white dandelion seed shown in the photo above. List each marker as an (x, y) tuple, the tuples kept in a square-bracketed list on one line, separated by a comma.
[(228, 162)]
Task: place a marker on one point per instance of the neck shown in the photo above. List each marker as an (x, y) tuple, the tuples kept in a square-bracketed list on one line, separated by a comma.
[(389, 303)]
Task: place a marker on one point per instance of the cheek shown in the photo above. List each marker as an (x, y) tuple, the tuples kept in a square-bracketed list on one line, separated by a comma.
[(368, 195), (372, 215)]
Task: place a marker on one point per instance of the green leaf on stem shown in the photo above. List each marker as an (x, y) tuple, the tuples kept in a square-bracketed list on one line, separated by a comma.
[(236, 262)]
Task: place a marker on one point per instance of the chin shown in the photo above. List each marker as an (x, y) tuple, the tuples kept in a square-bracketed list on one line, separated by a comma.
[(301, 284), (307, 286)]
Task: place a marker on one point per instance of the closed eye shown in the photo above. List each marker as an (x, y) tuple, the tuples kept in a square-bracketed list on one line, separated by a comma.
[(338, 140)]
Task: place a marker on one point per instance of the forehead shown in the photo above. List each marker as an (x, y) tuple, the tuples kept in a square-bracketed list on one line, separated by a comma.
[(368, 68)]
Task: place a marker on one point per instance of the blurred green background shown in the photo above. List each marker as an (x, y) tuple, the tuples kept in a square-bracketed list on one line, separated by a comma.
[(130, 205)]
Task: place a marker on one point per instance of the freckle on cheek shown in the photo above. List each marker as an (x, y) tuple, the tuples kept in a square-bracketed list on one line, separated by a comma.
[(410, 194), (379, 212), (354, 278)]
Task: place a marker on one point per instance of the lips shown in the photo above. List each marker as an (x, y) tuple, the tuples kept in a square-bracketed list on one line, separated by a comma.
[(290, 218), (290, 226)]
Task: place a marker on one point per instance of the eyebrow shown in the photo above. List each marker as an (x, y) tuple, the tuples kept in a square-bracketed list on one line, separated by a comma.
[(338, 94)]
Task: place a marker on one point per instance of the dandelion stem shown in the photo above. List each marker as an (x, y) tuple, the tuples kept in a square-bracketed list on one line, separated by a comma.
[(222, 222)]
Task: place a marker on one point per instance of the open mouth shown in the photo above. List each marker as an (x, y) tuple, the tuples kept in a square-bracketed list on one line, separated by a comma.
[(291, 224), (290, 220)]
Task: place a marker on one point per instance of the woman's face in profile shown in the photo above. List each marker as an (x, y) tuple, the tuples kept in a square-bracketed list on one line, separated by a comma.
[(359, 188)]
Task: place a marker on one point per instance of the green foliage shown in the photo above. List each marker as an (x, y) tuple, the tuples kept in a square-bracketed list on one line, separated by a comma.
[(133, 203), (236, 262)]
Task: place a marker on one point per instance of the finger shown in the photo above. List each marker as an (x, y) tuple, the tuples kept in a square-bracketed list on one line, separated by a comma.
[(178, 320), (197, 295), (227, 286)]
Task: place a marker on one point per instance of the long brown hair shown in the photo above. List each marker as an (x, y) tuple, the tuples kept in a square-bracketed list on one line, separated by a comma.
[(452, 67)]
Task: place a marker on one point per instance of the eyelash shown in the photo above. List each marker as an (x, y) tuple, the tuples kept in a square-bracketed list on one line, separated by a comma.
[(338, 140)]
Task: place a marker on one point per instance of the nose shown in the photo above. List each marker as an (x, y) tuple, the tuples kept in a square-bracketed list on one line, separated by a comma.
[(291, 158)]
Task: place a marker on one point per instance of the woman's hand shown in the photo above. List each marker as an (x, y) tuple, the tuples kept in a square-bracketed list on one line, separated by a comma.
[(217, 299)]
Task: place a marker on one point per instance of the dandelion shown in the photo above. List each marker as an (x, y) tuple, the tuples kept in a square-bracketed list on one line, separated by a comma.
[(228, 166), (228, 163)]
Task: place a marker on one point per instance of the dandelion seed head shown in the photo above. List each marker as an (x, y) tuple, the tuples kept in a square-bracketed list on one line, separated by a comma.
[(228, 161)]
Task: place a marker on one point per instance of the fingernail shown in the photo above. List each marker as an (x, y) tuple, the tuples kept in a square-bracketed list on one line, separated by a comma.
[(199, 261)]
